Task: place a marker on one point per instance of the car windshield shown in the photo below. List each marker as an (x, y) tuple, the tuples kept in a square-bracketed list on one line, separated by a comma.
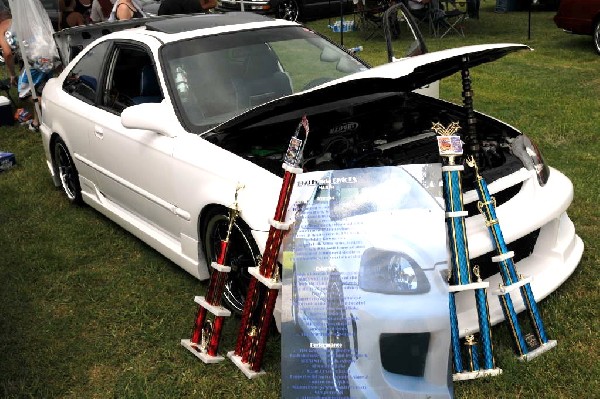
[(215, 78)]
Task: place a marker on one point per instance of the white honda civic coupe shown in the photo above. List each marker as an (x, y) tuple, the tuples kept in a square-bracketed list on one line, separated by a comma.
[(156, 126)]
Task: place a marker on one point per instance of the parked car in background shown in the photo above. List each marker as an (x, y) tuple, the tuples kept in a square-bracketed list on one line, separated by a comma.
[(150, 7), (581, 17), (292, 10)]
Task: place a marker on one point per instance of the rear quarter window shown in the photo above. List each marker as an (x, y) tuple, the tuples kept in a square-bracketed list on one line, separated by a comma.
[(83, 81)]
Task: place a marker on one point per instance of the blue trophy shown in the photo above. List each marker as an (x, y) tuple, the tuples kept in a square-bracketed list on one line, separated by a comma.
[(527, 347), (481, 362)]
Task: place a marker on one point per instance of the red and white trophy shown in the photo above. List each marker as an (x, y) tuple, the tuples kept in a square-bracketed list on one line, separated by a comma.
[(206, 334), (266, 282)]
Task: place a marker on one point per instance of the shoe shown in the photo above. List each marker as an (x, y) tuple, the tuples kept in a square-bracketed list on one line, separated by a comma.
[(32, 127)]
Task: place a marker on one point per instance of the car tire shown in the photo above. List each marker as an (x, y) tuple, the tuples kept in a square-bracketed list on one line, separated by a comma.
[(338, 357), (65, 169), (288, 9), (597, 36), (242, 253)]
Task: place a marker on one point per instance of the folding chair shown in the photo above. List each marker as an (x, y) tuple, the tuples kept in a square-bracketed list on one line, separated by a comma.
[(453, 21), (370, 17), (427, 13)]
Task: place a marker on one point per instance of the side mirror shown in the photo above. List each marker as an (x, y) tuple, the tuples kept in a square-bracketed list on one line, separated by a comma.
[(148, 116)]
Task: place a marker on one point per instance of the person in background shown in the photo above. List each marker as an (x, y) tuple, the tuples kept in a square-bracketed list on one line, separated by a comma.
[(7, 51), (126, 9), (39, 76), (101, 10), (75, 12), (171, 7)]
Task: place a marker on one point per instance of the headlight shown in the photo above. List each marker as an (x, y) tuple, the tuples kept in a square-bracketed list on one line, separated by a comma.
[(530, 155), (389, 272)]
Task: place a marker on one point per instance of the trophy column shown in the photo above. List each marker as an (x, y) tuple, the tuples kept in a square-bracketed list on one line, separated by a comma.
[(450, 147), (206, 334), (265, 283), (512, 281)]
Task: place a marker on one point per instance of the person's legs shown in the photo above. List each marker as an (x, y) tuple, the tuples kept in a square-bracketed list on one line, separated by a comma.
[(7, 51)]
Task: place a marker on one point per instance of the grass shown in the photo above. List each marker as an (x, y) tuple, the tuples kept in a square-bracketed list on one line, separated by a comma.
[(88, 311)]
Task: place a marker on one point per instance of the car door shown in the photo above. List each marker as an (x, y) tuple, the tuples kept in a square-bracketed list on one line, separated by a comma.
[(133, 166), (404, 39), (79, 110)]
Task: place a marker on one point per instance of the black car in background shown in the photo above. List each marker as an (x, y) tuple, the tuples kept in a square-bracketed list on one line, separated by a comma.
[(292, 10)]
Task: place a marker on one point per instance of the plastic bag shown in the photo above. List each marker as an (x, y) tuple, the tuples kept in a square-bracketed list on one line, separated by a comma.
[(34, 32)]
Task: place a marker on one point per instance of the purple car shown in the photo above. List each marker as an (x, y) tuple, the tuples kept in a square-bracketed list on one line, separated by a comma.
[(581, 17)]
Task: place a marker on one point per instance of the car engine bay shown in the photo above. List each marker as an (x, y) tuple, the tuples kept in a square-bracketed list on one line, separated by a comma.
[(378, 130)]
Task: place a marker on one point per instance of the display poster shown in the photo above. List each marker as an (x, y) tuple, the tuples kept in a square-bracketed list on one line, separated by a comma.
[(365, 295)]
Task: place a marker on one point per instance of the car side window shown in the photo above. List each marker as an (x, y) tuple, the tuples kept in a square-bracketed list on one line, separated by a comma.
[(131, 80), (82, 81)]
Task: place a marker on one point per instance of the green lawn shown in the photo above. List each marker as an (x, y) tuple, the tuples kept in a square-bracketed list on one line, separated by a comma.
[(88, 311)]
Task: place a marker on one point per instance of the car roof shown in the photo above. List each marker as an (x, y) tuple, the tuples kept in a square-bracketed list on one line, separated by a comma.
[(203, 21), (166, 28)]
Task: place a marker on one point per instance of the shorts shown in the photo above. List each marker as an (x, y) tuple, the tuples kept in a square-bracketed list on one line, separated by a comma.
[(39, 82)]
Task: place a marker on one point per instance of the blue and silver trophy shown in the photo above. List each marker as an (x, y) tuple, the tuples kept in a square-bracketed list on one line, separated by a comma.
[(481, 361), (527, 347)]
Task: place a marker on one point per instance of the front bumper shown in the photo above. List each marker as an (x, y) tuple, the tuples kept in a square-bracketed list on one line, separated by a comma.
[(401, 344), (551, 257), (556, 254)]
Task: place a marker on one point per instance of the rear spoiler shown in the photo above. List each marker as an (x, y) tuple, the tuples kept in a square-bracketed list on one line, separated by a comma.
[(71, 41)]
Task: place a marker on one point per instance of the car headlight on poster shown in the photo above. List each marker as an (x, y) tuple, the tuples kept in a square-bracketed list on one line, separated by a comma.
[(390, 272)]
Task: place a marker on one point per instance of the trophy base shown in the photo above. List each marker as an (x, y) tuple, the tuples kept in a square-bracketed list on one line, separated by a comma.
[(205, 357), (245, 367), (471, 375), (538, 351)]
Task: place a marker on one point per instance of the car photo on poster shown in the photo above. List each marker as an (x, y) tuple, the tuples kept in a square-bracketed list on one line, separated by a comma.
[(367, 286)]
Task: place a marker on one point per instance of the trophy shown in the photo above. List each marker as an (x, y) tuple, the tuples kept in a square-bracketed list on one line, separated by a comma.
[(510, 278), (450, 147), (206, 334), (265, 283)]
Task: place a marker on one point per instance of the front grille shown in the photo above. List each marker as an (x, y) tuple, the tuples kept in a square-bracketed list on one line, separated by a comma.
[(501, 197), (523, 247), (404, 354)]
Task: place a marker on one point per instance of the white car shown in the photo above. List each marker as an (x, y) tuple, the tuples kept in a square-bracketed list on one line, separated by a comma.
[(155, 127)]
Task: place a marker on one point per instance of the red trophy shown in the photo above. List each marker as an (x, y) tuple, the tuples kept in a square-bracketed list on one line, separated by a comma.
[(206, 334), (265, 283)]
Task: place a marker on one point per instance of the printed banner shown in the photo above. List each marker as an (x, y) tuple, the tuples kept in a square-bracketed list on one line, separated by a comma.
[(365, 297)]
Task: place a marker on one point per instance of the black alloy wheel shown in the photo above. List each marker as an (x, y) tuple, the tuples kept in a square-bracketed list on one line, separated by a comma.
[(242, 253), (288, 9), (66, 171)]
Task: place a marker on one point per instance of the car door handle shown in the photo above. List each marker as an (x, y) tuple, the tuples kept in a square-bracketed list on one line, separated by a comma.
[(99, 132)]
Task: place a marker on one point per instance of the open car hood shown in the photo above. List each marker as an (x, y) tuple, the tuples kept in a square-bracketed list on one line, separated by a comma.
[(404, 75)]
